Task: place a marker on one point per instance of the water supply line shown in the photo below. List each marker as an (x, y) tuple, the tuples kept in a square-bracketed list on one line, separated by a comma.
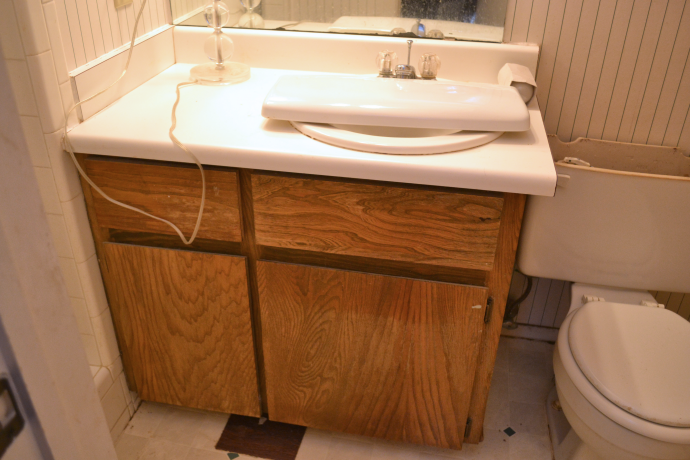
[(513, 308)]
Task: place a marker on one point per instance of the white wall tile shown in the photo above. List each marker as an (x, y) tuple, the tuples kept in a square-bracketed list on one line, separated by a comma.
[(103, 381), (94, 370), (10, 40), (21, 86), (105, 337), (92, 284), (79, 229), (56, 41), (32, 26), (46, 90), (67, 103), (132, 408), (82, 315), (58, 230), (71, 276), (120, 425), (125, 388), (35, 141), (64, 171), (46, 185), (113, 405), (116, 369), (91, 348)]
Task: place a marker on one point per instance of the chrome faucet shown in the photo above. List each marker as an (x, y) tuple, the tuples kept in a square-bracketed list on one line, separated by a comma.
[(429, 65), (406, 70)]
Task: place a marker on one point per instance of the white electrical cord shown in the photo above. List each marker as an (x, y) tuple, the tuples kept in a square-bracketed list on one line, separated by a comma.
[(68, 146)]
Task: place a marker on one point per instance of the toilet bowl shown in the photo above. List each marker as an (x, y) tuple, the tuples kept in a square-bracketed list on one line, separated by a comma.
[(609, 402), (621, 364)]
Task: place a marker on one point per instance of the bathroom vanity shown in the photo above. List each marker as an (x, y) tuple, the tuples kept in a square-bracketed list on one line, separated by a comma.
[(335, 289), (367, 307)]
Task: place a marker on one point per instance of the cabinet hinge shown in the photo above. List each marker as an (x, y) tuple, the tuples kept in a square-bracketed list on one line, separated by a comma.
[(489, 309), (468, 427)]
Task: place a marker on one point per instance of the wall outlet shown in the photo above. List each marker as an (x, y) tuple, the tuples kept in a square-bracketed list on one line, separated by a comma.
[(121, 3)]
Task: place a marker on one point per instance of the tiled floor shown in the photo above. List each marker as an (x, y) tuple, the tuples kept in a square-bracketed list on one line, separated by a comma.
[(522, 379)]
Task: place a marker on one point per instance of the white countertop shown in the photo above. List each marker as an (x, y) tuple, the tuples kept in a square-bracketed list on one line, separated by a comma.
[(223, 126)]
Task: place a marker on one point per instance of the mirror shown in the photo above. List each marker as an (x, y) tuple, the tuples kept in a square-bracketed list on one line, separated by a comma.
[(473, 20)]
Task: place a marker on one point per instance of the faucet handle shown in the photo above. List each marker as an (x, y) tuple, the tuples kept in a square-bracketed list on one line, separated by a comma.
[(386, 62), (429, 65)]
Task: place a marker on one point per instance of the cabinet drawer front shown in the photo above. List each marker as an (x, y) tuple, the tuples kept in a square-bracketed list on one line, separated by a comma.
[(411, 225), (184, 327), (369, 354), (169, 192)]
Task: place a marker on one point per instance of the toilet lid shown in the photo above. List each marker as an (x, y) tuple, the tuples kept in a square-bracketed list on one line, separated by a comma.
[(637, 357)]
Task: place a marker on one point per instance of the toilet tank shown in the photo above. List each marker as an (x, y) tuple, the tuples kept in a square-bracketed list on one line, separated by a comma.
[(624, 221)]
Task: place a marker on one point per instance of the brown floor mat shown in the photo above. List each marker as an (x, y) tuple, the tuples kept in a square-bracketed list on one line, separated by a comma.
[(272, 440)]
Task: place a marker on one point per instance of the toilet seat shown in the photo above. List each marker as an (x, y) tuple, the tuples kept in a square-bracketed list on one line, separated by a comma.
[(636, 357), (639, 425)]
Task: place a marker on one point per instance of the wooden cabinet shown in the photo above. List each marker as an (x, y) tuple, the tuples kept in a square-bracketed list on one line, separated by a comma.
[(436, 227), (184, 326), (355, 306), (166, 191), (368, 354)]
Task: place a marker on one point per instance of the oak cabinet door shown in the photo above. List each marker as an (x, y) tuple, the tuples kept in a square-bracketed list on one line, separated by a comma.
[(184, 326), (368, 354)]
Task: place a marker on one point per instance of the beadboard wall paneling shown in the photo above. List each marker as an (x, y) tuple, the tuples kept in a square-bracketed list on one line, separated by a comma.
[(547, 303), (549, 300), (679, 303), (91, 28), (610, 69), (184, 9)]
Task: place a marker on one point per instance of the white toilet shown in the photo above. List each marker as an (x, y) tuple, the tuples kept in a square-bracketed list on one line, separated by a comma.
[(622, 362)]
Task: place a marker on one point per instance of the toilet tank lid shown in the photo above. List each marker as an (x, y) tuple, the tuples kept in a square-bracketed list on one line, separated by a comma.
[(637, 357)]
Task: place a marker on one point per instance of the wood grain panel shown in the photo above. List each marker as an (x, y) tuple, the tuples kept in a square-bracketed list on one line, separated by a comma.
[(169, 192), (377, 221), (183, 323), (368, 354), (376, 266), (499, 285)]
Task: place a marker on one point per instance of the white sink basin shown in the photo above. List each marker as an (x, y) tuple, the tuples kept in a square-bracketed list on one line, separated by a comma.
[(397, 141)]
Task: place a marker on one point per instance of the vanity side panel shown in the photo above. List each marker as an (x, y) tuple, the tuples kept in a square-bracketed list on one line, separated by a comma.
[(169, 192), (370, 355), (499, 284), (183, 321), (434, 227)]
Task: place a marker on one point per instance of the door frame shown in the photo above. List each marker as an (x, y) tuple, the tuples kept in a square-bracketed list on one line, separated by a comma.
[(35, 310)]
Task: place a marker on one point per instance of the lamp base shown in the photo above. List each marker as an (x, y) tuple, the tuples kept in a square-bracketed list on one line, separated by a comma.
[(229, 74)]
